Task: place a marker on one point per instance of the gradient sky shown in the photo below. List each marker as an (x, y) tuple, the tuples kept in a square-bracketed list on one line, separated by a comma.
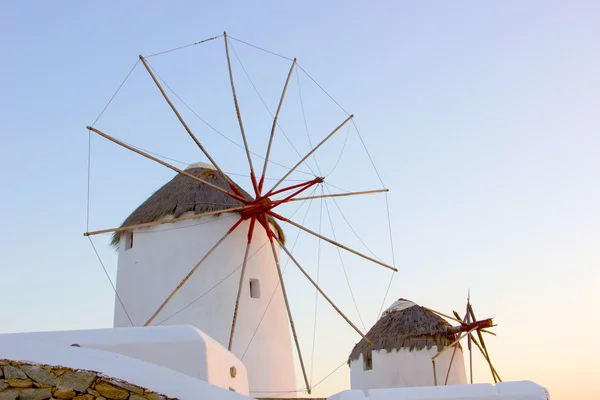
[(482, 119)]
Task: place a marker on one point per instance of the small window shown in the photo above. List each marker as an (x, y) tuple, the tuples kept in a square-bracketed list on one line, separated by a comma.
[(254, 288), (368, 361), (128, 240)]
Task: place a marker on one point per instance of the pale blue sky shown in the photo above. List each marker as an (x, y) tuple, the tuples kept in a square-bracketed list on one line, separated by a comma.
[(482, 119)]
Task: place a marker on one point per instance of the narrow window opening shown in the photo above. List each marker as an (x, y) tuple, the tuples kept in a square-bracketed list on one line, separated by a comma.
[(254, 288), (128, 240), (368, 361)]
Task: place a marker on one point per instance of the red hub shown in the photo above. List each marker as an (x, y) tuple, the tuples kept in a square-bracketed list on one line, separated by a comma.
[(261, 208)]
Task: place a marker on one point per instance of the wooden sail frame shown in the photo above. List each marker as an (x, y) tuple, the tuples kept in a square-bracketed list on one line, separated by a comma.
[(258, 211)]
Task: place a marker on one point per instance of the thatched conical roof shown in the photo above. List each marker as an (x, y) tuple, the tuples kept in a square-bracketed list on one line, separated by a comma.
[(183, 194), (405, 325)]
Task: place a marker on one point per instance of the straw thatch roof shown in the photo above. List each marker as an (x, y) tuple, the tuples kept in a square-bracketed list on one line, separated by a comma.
[(183, 194), (406, 326)]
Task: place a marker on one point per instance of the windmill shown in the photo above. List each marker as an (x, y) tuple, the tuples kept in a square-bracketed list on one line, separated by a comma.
[(257, 212)]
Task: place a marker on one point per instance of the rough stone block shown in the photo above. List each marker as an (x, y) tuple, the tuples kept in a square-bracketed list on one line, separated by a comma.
[(20, 383), (36, 394), (76, 380), (39, 374), (9, 395), (84, 397), (154, 396), (112, 392), (126, 386), (11, 372), (64, 394)]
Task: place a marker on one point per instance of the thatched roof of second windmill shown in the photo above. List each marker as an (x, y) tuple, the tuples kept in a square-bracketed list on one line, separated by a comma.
[(183, 194), (405, 325)]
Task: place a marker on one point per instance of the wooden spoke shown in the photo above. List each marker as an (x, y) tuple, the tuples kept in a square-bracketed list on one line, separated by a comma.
[(241, 285), (331, 241), (310, 153), (188, 276), (450, 366), (468, 320), (323, 293), (187, 128), (264, 171), (453, 318), (325, 196), (487, 358), (289, 311), (128, 147), (460, 337), (166, 221), (239, 117), (484, 351)]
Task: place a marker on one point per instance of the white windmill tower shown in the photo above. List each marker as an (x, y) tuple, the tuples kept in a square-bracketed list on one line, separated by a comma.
[(163, 268)]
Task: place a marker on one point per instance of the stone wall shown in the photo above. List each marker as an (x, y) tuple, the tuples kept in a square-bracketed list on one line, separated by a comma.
[(27, 381)]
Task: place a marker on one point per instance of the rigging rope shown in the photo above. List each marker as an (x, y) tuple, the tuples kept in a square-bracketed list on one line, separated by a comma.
[(312, 359), (89, 172), (269, 110), (111, 282), (215, 129), (341, 152), (306, 124), (278, 393), (387, 205), (352, 228), (117, 91), (183, 47), (324, 91), (187, 163), (260, 48), (344, 268)]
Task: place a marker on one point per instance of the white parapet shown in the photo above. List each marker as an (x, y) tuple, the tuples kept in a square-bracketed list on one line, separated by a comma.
[(522, 390), (184, 350)]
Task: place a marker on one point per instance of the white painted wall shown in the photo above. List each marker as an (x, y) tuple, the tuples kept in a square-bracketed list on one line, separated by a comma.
[(521, 390), (404, 368), (181, 348), (154, 377), (163, 255)]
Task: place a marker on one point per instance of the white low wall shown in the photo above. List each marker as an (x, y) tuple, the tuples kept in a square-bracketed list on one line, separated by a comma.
[(184, 349), (523, 390), (143, 374)]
